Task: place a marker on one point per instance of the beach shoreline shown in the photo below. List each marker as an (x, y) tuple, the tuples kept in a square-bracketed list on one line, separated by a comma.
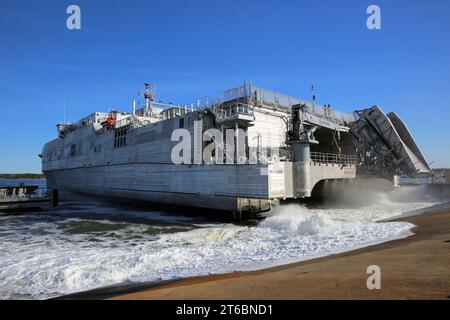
[(415, 267)]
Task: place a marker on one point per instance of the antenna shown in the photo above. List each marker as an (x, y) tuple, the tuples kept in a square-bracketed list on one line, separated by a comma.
[(313, 98), (64, 109), (149, 96)]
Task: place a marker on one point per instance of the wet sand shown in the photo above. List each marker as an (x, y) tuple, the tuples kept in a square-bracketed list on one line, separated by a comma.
[(417, 267)]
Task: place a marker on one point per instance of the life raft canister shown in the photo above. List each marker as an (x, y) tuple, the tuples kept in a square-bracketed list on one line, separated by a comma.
[(111, 120)]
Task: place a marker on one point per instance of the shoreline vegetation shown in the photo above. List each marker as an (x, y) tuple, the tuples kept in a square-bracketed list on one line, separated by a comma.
[(21, 176)]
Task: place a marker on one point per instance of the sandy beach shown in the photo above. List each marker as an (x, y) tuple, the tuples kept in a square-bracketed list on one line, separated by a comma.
[(417, 267)]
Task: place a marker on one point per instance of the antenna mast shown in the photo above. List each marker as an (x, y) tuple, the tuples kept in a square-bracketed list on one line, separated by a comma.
[(149, 96), (64, 109)]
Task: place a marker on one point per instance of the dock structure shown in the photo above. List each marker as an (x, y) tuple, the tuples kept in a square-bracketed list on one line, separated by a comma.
[(22, 197), (245, 150), (18, 191)]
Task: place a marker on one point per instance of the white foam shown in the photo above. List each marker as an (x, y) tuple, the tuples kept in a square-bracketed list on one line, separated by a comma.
[(42, 261)]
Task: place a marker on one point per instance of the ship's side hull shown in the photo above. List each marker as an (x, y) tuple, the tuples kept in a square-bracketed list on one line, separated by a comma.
[(221, 187), (233, 188)]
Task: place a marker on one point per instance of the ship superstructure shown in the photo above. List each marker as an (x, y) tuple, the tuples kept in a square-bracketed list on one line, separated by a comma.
[(245, 150)]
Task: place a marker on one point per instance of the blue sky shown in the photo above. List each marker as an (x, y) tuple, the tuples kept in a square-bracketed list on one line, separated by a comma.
[(192, 49)]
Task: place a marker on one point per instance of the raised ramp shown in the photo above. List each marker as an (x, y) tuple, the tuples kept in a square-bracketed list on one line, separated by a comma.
[(388, 143), (410, 143)]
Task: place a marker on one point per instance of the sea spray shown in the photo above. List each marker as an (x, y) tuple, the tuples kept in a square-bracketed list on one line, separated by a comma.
[(49, 255)]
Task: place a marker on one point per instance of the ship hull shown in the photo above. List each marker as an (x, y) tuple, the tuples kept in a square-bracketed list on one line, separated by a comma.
[(224, 188)]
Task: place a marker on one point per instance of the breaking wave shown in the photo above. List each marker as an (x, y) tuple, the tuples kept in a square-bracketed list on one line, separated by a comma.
[(43, 256)]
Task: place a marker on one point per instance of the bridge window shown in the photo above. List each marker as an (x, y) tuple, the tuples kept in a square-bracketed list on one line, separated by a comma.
[(73, 150), (120, 138)]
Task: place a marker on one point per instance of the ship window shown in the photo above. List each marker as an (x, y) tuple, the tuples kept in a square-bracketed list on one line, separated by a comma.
[(120, 138), (73, 150), (181, 124)]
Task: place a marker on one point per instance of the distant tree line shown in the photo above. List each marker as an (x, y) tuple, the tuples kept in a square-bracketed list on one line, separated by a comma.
[(21, 176)]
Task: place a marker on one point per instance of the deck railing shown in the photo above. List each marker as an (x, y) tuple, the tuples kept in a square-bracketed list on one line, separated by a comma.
[(22, 192), (234, 110), (332, 158), (279, 99), (271, 98)]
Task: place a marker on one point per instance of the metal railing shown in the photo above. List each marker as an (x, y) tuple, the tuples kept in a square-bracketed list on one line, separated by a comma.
[(231, 111), (200, 104), (278, 99), (233, 94), (332, 158), (271, 98), (13, 193)]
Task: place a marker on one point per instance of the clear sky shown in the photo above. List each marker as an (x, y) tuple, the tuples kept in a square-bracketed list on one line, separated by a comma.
[(192, 49)]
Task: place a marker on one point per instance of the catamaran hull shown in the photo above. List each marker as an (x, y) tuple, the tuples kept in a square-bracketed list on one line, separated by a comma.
[(233, 188), (190, 186)]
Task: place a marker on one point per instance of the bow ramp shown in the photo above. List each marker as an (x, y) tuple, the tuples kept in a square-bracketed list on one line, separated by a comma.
[(410, 144), (386, 143)]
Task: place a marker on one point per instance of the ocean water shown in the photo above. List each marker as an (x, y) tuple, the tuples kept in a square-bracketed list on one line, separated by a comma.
[(86, 244)]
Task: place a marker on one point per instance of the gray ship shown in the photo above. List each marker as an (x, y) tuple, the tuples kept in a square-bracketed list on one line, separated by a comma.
[(243, 151)]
